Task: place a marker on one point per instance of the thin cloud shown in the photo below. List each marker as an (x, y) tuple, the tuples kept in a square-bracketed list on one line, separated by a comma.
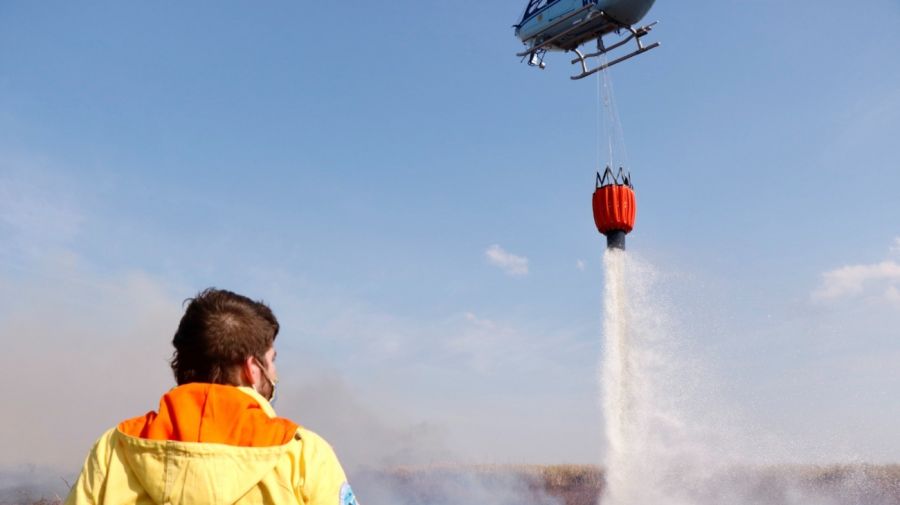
[(875, 280), (37, 209), (513, 265), (580, 265), (854, 280), (488, 346), (895, 247), (892, 294)]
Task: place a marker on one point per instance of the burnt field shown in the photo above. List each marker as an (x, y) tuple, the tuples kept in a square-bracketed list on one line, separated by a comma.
[(584, 485)]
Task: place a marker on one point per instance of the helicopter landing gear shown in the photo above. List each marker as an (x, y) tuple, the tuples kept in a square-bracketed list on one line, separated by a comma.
[(602, 49)]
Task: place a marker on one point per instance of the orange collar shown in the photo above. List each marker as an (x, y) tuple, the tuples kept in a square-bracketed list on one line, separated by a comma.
[(211, 413)]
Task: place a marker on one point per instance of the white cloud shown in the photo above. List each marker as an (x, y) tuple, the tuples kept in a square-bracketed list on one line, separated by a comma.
[(580, 265), (895, 247), (878, 281), (875, 280), (508, 262)]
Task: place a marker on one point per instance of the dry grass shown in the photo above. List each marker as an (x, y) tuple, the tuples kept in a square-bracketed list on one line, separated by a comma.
[(583, 484), (40, 501), (568, 484)]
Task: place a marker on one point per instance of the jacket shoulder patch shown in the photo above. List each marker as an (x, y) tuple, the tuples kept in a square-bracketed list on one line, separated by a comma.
[(347, 496)]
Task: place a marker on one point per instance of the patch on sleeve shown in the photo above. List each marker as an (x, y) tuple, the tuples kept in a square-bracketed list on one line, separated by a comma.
[(347, 496)]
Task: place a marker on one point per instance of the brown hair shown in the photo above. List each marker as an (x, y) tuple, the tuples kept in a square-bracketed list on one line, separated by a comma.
[(218, 331)]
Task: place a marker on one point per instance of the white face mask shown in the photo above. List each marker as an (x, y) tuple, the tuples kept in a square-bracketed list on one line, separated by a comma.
[(272, 382)]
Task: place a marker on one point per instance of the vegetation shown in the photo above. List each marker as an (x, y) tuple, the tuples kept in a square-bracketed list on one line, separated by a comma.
[(583, 485)]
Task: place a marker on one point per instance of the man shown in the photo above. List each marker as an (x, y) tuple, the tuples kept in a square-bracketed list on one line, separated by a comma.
[(216, 438)]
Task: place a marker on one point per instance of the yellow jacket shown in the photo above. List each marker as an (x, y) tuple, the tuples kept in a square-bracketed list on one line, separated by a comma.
[(211, 444)]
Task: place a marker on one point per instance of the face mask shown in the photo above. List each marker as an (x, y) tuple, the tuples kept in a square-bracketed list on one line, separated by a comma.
[(272, 382)]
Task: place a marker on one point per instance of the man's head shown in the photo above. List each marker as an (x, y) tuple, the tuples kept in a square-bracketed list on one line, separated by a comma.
[(226, 338)]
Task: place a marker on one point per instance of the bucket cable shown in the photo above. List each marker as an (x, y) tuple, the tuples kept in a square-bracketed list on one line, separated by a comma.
[(609, 124)]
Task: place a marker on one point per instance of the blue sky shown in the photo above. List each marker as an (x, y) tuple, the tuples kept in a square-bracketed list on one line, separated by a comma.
[(354, 164)]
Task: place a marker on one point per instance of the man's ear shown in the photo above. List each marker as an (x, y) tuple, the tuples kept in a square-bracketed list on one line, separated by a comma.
[(248, 367)]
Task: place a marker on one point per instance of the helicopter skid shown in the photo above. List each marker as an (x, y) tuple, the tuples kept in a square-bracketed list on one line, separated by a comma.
[(635, 34)]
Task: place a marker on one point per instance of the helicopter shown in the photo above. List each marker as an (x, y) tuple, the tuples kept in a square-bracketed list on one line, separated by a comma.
[(564, 25)]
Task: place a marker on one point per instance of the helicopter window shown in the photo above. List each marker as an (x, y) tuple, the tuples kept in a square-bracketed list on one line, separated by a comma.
[(536, 5)]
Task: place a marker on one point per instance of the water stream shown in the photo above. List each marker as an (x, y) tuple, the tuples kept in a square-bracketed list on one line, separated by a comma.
[(671, 440)]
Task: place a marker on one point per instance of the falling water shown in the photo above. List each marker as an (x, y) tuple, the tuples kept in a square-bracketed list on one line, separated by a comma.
[(615, 375), (654, 455), (671, 440), (645, 433)]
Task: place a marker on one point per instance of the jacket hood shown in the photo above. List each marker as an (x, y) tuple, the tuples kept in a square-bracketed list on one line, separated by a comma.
[(208, 443)]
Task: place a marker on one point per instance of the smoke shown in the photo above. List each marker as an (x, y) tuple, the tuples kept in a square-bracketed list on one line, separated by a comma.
[(109, 378), (79, 352), (392, 460), (87, 351), (362, 436), (82, 351), (452, 486)]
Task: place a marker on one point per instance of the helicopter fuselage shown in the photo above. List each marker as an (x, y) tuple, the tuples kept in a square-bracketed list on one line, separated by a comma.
[(570, 23)]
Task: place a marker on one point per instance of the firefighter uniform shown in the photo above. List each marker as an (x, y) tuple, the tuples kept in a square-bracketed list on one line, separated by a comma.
[(211, 444)]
